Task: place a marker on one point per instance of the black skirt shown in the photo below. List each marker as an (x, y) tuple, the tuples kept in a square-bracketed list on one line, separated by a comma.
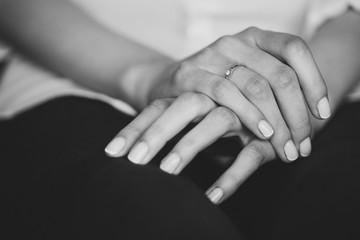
[(57, 183)]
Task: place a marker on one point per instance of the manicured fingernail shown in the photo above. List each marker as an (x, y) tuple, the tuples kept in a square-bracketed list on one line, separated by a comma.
[(265, 128), (305, 147), (170, 164), (324, 108), (115, 146), (138, 153), (215, 195), (291, 151)]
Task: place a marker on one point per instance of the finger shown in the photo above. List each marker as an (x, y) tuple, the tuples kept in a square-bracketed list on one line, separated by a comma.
[(216, 124), (295, 52), (125, 139), (257, 89), (248, 161), (285, 86), (226, 94), (176, 117)]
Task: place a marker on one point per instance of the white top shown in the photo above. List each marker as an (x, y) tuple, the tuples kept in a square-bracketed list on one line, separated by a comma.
[(176, 28)]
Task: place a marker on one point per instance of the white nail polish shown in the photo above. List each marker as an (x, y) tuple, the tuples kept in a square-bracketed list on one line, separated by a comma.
[(138, 153), (215, 195), (323, 107), (305, 147), (265, 128), (115, 146), (170, 164), (291, 151)]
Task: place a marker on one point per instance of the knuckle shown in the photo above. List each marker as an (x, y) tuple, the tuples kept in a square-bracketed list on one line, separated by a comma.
[(191, 98), (285, 78), (154, 130), (295, 45), (225, 41), (196, 102), (232, 178), (158, 105), (250, 33), (256, 153), (193, 101), (303, 127), (220, 89), (282, 134), (225, 116), (258, 87), (251, 30), (207, 53), (131, 129), (188, 143)]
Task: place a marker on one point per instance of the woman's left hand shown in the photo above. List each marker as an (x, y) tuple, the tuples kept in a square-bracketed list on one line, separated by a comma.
[(271, 82), (146, 135)]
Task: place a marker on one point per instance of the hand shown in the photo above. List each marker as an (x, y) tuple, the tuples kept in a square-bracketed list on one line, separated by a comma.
[(163, 119), (269, 92)]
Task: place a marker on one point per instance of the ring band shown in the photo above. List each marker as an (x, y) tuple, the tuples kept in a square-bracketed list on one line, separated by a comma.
[(229, 72)]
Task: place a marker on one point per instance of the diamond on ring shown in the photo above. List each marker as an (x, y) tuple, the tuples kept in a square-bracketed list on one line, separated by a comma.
[(229, 72)]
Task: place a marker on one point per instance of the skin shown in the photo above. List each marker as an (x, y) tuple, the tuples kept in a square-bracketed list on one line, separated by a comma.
[(56, 35), (336, 49), (266, 89)]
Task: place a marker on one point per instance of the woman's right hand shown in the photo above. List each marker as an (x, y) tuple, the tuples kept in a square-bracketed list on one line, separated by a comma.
[(270, 92), (146, 135)]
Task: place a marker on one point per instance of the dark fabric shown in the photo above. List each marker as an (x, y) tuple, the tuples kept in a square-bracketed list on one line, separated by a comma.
[(3, 65), (57, 183), (313, 198)]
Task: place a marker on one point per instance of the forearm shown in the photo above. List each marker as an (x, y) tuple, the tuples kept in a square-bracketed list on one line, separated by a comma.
[(336, 49), (61, 37)]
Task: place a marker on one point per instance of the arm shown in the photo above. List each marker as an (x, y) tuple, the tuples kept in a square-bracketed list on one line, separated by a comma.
[(64, 39), (61, 37), (336, 49)]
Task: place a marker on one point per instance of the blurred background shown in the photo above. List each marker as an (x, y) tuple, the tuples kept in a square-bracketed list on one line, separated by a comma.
[(181, 27)]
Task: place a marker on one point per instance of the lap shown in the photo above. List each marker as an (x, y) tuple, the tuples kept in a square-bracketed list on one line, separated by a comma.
[(312, 198), (60, 184), (57, 179)]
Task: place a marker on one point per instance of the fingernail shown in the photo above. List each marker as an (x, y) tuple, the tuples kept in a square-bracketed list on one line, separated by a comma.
[(138, 153), (170, 164), (265, 128), (115, 146), (305, 147), (291, 151), (215, 195), (324, 108)]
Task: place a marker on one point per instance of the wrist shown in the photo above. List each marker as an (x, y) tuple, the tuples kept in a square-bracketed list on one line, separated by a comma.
[(140, 83), (335, 48)]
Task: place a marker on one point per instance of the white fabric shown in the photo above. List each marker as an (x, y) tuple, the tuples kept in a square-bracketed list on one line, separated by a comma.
[(39, 85), (176, 28)]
